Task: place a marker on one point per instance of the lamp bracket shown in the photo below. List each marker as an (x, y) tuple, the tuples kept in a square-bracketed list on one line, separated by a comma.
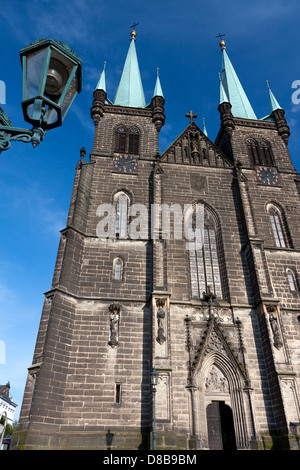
[(8, 134)]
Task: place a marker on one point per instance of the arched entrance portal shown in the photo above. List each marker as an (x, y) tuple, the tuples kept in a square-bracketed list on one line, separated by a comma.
[(221, 435)]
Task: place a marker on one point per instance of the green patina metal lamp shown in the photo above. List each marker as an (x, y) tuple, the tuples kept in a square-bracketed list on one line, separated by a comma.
[(51, 80)]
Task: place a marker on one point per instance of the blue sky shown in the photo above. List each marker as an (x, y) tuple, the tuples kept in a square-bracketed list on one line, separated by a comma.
[(179, 37)]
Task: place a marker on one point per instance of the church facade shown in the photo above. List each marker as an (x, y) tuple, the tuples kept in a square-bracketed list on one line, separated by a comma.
[(135, 291)]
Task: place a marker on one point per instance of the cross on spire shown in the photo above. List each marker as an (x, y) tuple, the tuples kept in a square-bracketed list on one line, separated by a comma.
[(134, 25), (220, 36), (191, 115)]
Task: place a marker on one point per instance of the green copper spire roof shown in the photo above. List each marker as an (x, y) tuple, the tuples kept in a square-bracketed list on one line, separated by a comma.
[(223, 97), (158, 90), (102, 84), (130, 89), (204, 128), (273, 102), (240, 105)]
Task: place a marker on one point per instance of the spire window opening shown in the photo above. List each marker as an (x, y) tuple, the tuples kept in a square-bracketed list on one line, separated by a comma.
[(127, 141)]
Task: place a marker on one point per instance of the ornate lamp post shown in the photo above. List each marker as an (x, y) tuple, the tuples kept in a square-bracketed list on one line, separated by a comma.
[(51, 80), (154, 379)]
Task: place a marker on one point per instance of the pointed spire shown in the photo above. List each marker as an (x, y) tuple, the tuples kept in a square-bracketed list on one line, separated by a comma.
[(102, 84), (130, 89), (273, 102), (240, 105), (223, 97), (158, 90), (204, 128)]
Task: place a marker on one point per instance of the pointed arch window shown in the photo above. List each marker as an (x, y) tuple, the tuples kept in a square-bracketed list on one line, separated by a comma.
[(265, 151), (122, 215), (127, 140), (253, 151), (118, 266), (121, 204), (133, 144), (204, 261), (277, 226), (120, 139), (292, 280), (260, 154)]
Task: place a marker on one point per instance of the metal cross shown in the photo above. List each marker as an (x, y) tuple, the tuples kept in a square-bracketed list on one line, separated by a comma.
[(220, 36), (134, 25), (191, 115)]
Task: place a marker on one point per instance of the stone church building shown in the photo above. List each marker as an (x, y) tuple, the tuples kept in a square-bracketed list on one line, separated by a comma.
[(219, 321)]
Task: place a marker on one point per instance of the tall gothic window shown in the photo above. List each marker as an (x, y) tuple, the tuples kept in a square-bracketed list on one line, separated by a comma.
[(253, 151), (292, 280), (277, 226), (133, 144), (204, 262), (265, 151), (121, 203), (120, 139), (127, 140), (118, 269), (259, 153)]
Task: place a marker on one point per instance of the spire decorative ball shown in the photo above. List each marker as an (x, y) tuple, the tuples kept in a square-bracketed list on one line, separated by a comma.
[(133, 34), (222, 43)]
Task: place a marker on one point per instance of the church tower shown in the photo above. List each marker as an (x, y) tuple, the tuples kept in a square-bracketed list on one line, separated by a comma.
[(135, 291)]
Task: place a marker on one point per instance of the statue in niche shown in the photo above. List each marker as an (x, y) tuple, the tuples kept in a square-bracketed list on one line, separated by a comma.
[(194, 144), (160, 315), (114, 312), (274, 327)]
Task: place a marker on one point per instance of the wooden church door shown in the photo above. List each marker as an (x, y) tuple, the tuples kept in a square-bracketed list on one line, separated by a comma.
[(220, 427)]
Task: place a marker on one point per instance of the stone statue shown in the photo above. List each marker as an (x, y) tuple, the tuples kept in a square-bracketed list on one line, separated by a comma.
[(114, 311), (160, 315)]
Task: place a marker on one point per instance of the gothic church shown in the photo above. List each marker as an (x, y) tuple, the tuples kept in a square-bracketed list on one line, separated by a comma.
[(219, 323)]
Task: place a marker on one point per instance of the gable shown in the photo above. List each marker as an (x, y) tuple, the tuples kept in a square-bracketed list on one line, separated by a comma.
[(193, 147), (214, 343)]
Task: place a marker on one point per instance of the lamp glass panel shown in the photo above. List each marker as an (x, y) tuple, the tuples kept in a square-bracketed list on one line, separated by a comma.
[(58, 73), (34, 70), (70, 95)]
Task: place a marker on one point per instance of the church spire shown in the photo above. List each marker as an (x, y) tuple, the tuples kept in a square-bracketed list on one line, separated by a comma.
[(204, 128), (158, 89), (102, 83), (130, 89), (233, 90), (273, 102)]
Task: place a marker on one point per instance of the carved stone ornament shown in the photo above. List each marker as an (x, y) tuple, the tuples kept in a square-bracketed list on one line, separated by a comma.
[(216, 382), (214, 344), (160, 315), (114, 317), (221, 315)]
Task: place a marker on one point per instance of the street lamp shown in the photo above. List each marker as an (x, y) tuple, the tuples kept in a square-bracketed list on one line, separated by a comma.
[(51, 80), (154, 379)]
